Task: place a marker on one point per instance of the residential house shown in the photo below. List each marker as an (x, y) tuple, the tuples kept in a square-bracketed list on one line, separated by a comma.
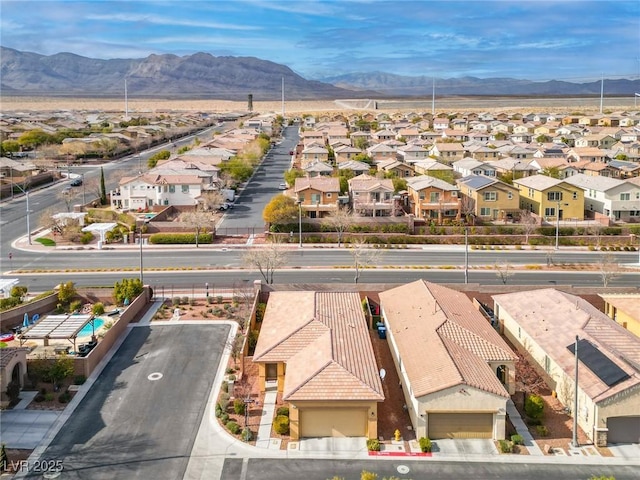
[(488, 198), (617, 199), (470, 166), (345, 153), (455, 371), (587, 153), (625, 169), (563, 167), (595, 141), (381, 152), (162, 186), (441, 123), (624, 308), (434, 169), (318, 169), (312, 136), (596, 169), (318, 195), (514, 167), (383, 135), (371, 196), (358, 168), (550, 198), (411, 153), (338, 134), (398, 168), (433, 199), (447, 152), (315, 349), (545, 325), (408, 134), (313, 154), (484, 154)]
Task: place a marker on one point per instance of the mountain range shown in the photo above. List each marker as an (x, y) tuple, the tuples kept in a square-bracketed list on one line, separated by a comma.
[(203, 75)]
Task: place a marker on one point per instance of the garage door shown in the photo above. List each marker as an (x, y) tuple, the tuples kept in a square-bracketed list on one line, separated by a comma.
[(333, 422), (623, 430), (460, 425)]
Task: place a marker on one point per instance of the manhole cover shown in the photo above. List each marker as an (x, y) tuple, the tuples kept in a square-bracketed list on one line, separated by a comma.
[(155, 376), (403, 469)]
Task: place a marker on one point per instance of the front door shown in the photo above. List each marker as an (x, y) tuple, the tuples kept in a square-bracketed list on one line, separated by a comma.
[(272, 372)]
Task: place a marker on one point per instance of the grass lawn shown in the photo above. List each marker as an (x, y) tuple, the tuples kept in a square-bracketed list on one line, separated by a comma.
[(47, 242)]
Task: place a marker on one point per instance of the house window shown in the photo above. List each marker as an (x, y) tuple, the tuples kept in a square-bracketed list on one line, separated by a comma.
[(485, 211), (510, 195), (554, 196), (315, 198), (172, 189), (549, 212), (328, 195), (490, 196), (547, 364), (625, 196), (421, 195), (454, 194), (531, 192), (166, 201), (575, 195), (185, 188), (434, 197)]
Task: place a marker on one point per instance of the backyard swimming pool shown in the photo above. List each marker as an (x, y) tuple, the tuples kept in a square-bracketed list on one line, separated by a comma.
[(87, 330)]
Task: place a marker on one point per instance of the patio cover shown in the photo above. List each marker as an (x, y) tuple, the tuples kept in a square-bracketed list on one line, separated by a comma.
[(6, 284), (65, 327), (101, 228)]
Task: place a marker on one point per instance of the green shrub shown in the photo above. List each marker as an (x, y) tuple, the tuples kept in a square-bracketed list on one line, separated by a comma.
[(48, 396), (175, 301), (75, 306), (373, 445), (179, 238), (534, 406), (98, 308), (517, 439), (10, 302), (542, 430), (224, 401), (283, 411), (425, 444), (247, 435), (505, 446), (38, 398), (611, 231), (281, 425), (225, 387), (64, 397), (238, 406), (224, 417), (233, 427), (218, 410), (79, 380)]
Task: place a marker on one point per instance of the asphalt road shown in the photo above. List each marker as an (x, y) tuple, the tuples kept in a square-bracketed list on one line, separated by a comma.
[(262, 187), (129, 426), (269, 469)]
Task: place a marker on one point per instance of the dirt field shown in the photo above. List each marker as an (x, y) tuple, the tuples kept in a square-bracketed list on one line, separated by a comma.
[(446, 105)]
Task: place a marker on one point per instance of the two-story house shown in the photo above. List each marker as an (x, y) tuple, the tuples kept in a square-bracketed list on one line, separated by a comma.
[(370, 196), (617, 199), (433, 199), (345, 153), (398, 168), (313, 154), (447, 152), (550, 198), (318, 195), (470, 166), (411, 153), (490, 199), (381, 152)]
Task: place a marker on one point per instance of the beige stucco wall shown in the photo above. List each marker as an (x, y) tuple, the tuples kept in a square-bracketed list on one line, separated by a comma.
[(623, 318)]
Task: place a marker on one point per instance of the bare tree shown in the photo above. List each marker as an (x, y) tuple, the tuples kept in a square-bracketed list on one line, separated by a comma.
[(528, 223), (363, 256), (67, 196), (503, 271), (340, 220), (211, 200), (197, 220), (48, 222), (467, 207), (266, 259), (609, 268)]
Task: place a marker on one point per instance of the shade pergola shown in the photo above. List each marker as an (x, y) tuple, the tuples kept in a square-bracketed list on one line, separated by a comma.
[(56, 327), (101, 228)]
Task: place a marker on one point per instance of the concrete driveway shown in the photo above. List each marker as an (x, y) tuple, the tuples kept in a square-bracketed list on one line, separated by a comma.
[(463, 447), (140, 418)]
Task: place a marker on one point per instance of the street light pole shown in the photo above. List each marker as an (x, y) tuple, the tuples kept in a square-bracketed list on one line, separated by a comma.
[(84, 201), (299, 202), (141, 266), (26, 194), (466, 254), (574, 440)]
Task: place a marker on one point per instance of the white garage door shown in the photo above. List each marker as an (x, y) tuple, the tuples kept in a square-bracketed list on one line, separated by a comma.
[(339, 422), (460, 425)]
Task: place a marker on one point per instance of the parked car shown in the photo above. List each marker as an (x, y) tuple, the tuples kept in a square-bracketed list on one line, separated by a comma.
[(76, 182), (282, 186), (290, 152)]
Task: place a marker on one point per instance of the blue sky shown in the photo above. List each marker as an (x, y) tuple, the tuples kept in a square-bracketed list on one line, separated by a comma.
[(569, 40)]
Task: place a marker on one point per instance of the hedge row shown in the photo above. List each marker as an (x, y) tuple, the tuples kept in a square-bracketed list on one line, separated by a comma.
[(179, 238)]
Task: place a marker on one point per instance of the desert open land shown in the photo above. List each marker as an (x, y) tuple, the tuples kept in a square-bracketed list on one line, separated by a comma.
[(442, 105)]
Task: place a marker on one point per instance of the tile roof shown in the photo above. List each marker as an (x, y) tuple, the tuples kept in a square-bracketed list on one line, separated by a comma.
[(323, 338), (439, 327), (7, 354), (424, 181), (368, 183), (322, 184), (590, 182), (629, 303), (538, 182), (554, 318)]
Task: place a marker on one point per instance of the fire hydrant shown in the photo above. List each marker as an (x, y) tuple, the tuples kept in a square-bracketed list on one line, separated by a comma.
[(397, 435)]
